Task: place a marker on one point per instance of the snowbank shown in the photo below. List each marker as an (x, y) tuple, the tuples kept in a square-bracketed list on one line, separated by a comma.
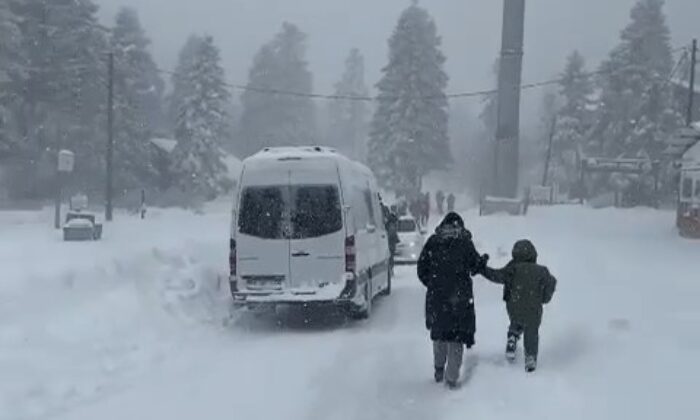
[(78, 320)]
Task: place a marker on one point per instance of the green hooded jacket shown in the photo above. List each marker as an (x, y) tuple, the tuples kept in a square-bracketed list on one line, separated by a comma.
[(527, 286)]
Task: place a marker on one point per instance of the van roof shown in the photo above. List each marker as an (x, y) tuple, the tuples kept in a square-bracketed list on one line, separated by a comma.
[(280, 153), (276, 154)]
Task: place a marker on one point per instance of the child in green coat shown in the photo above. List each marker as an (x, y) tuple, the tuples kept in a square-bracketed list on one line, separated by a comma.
[(527, 286)]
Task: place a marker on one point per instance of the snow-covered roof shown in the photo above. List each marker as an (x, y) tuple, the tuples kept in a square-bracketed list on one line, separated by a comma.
[(684, 84), (693, 154), (166, 145), (234, 166), (299, 152)]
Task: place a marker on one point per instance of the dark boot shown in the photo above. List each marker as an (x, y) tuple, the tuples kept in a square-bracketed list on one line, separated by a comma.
[(511, 347), (453, 385), (439, 374), (530, 364)]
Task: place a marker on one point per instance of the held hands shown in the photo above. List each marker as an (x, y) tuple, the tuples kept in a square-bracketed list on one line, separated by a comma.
[(482, 264)]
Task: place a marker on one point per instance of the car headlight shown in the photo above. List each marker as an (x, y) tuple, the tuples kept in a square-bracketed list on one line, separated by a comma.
[(412, 244)]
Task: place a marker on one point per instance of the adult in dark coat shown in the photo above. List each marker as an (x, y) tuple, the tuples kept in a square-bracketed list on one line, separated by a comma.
[(527, 286), (445, 267)]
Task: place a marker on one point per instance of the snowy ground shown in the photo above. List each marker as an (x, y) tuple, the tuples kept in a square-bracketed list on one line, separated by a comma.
[(138, 327)]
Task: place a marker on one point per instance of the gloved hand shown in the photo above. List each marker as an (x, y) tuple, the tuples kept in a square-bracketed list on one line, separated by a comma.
[(483, 263)]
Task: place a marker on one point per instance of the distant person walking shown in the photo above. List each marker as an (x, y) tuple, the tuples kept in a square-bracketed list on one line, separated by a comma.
[(425, 210), (445, 267), (451, 202), (391, 222), (440, 201)]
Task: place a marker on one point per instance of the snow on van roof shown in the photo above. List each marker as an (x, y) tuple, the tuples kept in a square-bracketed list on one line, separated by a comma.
[(293, 153), (272, 155), (301, 151)]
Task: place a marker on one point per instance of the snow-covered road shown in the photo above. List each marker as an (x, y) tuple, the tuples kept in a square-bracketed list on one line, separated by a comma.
[(138, 327)]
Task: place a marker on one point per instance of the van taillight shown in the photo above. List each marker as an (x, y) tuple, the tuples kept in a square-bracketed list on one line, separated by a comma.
[(350, 255), (232, 258)]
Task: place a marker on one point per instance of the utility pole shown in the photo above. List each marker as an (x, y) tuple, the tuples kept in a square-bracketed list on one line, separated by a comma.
[(691, 98), (509, 89), (109, 190)]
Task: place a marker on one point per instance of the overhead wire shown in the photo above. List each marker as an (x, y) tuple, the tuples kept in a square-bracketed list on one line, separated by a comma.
[(458, 95)]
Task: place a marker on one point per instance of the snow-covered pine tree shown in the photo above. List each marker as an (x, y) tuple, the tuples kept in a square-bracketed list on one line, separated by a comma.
[(409, 132), (572, 121), (138, 91), (278, 119), (185, 58), (10, 71), (62, 84), (636, 112), (201, 123), (348, 118)]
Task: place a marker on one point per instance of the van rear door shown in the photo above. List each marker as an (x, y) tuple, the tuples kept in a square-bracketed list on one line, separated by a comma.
[(263, 238), (317, 256)]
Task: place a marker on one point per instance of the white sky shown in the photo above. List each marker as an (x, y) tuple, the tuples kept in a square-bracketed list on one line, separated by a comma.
[(470, 31)]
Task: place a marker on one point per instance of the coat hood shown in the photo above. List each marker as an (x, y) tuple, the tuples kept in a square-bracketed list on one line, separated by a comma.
[(524, 251), (452, 226)]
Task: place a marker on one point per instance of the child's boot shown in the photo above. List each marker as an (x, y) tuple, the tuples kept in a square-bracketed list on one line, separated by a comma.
[(511, 347), (530, 363)]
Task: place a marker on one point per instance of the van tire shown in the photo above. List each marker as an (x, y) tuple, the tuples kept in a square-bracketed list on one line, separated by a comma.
[(387, 291), (365, 312)]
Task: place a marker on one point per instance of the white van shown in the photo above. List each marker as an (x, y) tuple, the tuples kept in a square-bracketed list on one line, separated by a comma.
[(308, 229)]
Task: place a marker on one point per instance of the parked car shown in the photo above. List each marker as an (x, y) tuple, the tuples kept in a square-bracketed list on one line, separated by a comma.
[(81, 226), (411, 241), (307, 229)]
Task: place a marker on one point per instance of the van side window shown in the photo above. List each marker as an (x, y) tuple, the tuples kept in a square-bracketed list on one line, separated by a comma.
[(261, 213), (370, 207)]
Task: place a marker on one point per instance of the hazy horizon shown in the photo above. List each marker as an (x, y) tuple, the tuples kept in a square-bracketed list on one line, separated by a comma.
[(470, 30)]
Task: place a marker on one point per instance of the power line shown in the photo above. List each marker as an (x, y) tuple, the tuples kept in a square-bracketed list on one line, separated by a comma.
[(458, 95)]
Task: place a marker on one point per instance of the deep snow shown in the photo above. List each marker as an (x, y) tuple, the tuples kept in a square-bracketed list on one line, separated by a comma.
[(138, 326)]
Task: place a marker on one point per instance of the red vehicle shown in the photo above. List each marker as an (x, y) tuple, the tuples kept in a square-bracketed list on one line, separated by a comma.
[(688, 218)]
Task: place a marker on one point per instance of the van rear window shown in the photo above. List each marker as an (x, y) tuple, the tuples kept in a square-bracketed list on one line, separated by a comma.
[(261, 212), (407, 225), (316, 211)]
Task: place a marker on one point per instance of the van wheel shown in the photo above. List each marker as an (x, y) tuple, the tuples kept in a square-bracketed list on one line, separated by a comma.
[(365, 311), (387, 291)]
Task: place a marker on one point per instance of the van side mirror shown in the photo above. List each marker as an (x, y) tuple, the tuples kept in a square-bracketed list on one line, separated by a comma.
[(423, 231)]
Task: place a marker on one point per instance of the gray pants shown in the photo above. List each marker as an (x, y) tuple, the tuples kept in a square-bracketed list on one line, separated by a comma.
[(448, 356)]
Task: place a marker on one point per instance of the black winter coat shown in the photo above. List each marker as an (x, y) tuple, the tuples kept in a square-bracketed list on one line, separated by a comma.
[(445, 267)]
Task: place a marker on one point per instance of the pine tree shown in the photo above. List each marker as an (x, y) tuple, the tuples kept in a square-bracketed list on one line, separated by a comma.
[(201, 122), (278, 119), (409, 132), (138, 102), (185, 58), (636, 112), (572, 118), (348, 127), (62, 84), (10, 72)]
